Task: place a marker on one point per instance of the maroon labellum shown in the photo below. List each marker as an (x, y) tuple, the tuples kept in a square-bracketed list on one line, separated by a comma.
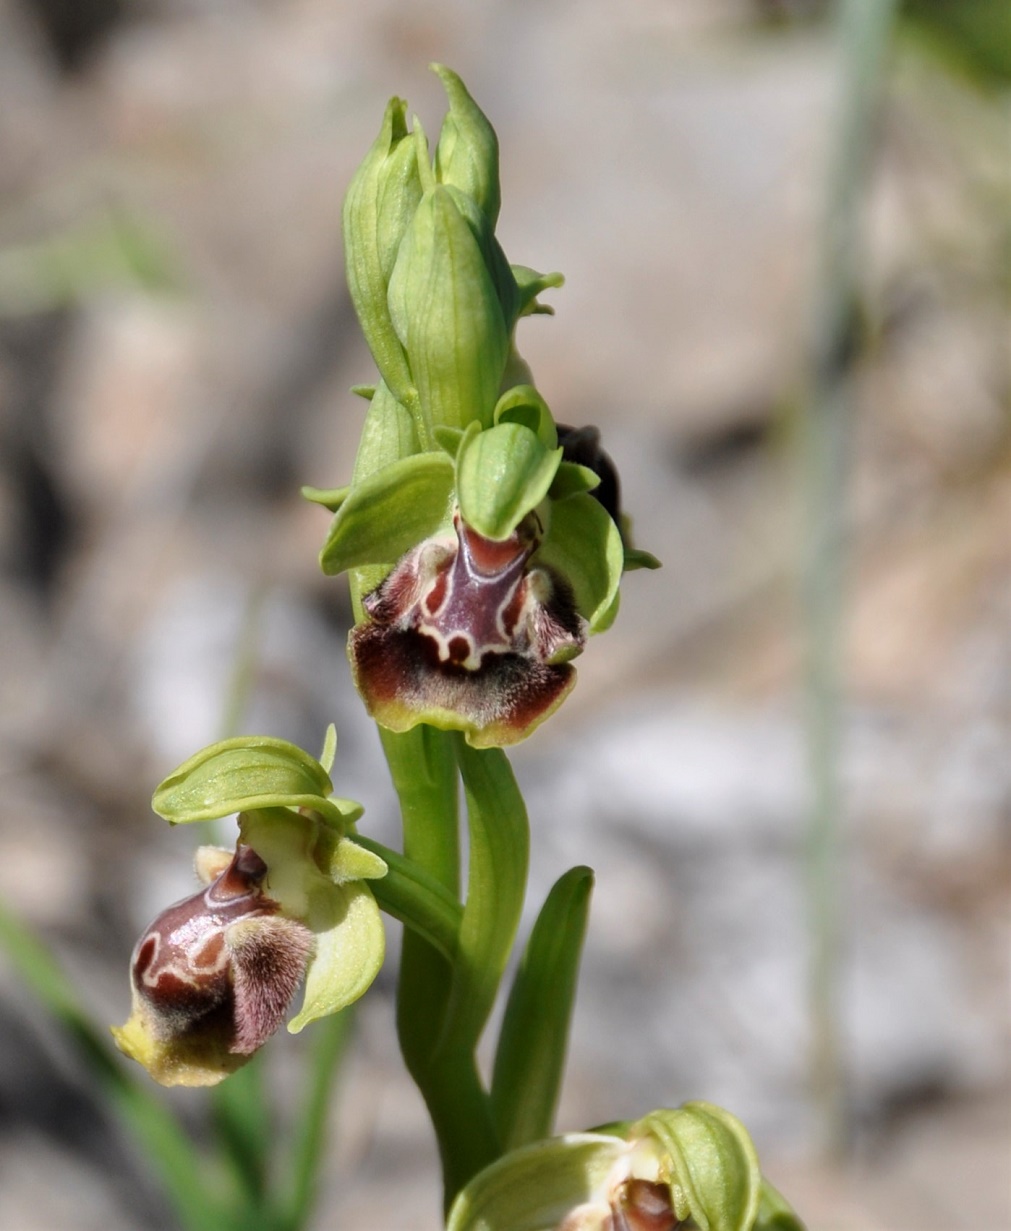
[(213, 976), (466, 635)]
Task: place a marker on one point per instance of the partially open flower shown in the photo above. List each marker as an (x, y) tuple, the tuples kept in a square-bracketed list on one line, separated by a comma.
[(213, 976), (694, 1166)]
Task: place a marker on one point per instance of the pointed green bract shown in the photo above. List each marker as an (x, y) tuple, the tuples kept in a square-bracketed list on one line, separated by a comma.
[(584, 546), (390, 512), (529, 284), (467, 153), (775, 1212), (501, 475), (446, 313)]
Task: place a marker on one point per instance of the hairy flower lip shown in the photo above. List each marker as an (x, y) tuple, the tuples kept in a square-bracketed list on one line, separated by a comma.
[(466, 635)]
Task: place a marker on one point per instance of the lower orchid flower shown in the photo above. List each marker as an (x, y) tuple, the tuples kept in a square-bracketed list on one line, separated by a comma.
[(213, 976)]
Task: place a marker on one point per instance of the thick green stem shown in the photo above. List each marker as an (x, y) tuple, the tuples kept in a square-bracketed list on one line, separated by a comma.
[(423, 768)]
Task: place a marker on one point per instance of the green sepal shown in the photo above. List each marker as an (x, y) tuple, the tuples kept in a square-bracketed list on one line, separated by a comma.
[(501, 475), (583, 544), (248, 772), (467, 153), (529, 284), (380, 202), (535, 1187), (636, 559), (571, 479), (390, 512), (710, 1164), (447, 314), (774, 1211), (329, 497), (523, 404), (530, 1057), (350, 947)]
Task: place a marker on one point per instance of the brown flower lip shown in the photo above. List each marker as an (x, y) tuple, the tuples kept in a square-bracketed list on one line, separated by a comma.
[(213, 975), (465, 634)]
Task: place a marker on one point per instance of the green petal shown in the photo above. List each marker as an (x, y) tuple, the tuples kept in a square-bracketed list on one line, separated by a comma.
[(239, 774), (467, 153), (571, 479), (534, 1188), (584, 545), (350, 946), (713, 1168), (446, 312), (351, 862), (529, 284), (389, 513), (523, 404), (501, 474)]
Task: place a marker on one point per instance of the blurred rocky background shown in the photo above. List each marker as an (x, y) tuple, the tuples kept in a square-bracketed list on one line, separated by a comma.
[(176, 347)]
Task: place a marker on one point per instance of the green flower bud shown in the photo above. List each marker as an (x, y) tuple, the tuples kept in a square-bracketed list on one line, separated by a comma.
[(379, 205), (467, 154), (447, 315)]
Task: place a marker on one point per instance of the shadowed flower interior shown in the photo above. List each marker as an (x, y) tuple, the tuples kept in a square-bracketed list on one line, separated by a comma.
[(465, 634)]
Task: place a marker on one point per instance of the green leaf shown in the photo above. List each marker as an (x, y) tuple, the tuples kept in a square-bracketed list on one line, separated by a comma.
[(446, 312), (501, 474), (390, 512), (496, 885), (584, 545), (467, 154), (523, 404), (244, 773), (350, 946), (379, 205), (530, 1059), (711, 1166), (534, 1188)]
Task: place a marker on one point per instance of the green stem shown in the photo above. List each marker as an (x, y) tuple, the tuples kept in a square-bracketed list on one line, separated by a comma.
[(418, 900), (864, 29), (423, 768)]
